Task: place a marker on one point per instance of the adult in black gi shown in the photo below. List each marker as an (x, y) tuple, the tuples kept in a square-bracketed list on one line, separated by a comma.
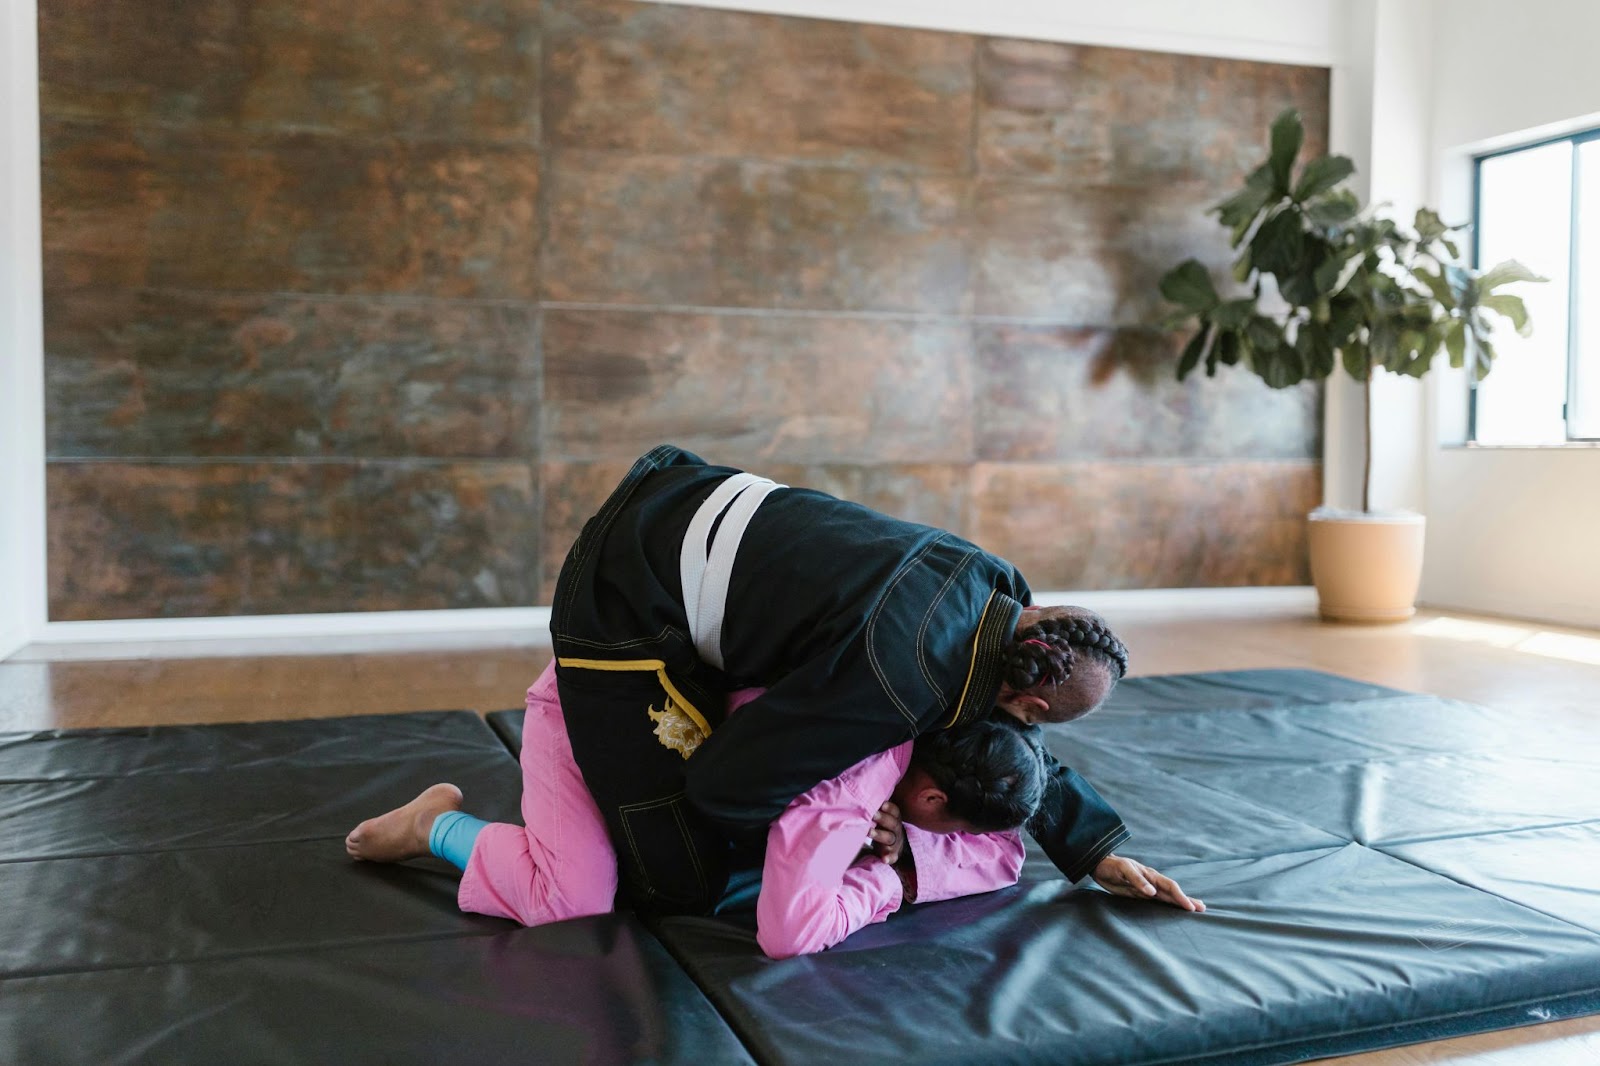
[(865, 630)]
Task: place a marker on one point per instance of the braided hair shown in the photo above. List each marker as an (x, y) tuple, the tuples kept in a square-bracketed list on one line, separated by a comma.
[(993, 776), (1046, 652)]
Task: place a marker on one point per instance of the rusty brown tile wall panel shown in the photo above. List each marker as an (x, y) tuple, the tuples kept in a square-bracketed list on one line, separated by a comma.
[(133, 540), (1082, 115), (147, 541), (650, 78), (936, 494), (133, 373), (152, 206), (395, 292), (740, 233), (772, 388), (1089, 255), (1108, 525), (1058, 393), (464, 71), (1097, 167)]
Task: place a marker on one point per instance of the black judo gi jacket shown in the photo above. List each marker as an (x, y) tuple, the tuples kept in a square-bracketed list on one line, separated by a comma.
[(865, 630)]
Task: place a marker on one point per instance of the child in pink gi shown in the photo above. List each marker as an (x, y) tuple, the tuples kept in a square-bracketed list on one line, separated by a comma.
[(843, 855)]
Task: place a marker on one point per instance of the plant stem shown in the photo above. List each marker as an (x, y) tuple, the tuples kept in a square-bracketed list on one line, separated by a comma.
[(1366, 471)]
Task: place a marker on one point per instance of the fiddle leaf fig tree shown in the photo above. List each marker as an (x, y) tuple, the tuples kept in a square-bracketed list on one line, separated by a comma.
[(1322, 283)]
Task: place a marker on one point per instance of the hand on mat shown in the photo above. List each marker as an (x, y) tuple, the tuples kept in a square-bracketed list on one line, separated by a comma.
[(1129, 877), (888, 835)]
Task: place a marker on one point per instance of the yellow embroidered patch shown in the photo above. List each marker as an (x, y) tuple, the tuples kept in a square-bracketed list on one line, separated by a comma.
[(676, 730)]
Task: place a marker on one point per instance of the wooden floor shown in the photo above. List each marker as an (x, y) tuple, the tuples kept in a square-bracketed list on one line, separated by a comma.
[(1491, 661)]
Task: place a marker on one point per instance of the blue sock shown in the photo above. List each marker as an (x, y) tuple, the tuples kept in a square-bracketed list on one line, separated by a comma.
[(453, 835)]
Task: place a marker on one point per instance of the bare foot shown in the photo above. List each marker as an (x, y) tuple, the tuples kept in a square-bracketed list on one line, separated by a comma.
[(403, 832)]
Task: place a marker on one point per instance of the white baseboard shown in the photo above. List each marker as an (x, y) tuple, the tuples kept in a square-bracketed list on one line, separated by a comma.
[(511, 627), (1111, 602), (288, 634)]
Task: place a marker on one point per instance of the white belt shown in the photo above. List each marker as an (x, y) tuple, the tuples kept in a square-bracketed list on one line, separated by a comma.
[(705, 578)]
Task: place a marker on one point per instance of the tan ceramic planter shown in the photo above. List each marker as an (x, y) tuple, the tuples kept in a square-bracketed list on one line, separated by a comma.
[(1366, 567)]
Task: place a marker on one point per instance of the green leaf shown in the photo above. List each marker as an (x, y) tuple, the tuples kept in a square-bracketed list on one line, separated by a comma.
[(1356, 356), (1325, 277), (1333, 209), (1233, 314), (1240, 210), (1483, 361), (1287, 136), (1280, 367), (1265, 334), (1193, 351), (1225, 349), (1243, 267), (1278, 244), (1188, 285), (1429, 226), (1513, 308), (1506, 273), (1455, 342), (1437, 285), (1322, 174)]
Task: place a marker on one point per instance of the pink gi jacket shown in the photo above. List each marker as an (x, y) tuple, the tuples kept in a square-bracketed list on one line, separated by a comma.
[(818, 887)]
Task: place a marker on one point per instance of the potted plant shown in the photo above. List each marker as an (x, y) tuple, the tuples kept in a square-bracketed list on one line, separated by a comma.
[(1324, 283)]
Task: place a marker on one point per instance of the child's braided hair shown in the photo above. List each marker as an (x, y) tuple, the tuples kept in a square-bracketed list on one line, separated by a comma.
[(993, 776), (1045, 652)]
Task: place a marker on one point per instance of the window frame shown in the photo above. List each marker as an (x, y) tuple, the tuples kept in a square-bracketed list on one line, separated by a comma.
[(1575, 139)]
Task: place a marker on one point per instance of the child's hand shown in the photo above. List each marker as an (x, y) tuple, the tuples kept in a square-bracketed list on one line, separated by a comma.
[(1128, 877), (888, 835)]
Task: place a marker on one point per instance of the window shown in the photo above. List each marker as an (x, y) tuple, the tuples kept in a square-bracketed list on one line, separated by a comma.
[(1541, 205)]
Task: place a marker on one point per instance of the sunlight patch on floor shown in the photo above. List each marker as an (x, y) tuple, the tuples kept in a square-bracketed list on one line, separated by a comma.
[(1572, 647)]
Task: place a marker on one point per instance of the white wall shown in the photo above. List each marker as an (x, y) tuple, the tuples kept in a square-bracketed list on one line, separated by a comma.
[(1511, 531), (1305, 31), (21, 346)]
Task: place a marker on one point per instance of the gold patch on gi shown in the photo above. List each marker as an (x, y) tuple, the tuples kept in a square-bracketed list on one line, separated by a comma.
[(676, 730)]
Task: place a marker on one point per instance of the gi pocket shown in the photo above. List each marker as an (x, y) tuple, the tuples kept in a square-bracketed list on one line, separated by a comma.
[(667, 870)]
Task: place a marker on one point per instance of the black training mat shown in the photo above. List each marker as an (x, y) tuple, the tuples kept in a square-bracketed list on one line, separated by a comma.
[(507, 725), (182, 894), (1380, 867)]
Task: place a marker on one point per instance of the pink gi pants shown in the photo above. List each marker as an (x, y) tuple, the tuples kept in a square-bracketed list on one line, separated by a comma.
[(559, 864)]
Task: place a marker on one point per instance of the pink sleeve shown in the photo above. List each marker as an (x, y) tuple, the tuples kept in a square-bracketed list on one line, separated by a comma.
[(962, 864), (817, 888)]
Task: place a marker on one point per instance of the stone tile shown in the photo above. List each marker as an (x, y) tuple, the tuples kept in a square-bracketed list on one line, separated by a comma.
[(161, 373), (657, 230), (932, 493), (460, 72), (682, 80), (393, 536), (1091, 255), (1105, 525), (136, 540), (1087, 115), (131, 540), (768, 387), (1056, 393), (129, 206)]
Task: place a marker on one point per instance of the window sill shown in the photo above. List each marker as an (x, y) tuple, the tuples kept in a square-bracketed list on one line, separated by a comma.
[(1473, 446)]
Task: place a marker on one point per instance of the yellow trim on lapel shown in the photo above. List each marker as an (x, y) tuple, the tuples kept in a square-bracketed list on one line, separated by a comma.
[(656, 666), (972, 667)]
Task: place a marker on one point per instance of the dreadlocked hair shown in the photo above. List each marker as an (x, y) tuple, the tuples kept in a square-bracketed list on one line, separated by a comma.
[(993, 777), (1045, 652)]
